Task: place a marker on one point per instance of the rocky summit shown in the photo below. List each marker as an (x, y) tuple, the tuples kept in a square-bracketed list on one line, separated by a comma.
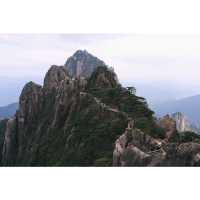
[(82, 64), (83, 116)]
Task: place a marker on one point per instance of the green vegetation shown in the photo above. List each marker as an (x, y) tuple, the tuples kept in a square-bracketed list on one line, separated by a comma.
[(134, 106), (189, 137)]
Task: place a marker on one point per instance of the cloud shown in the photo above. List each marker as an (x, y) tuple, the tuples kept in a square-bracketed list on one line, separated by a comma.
[(150, 59)]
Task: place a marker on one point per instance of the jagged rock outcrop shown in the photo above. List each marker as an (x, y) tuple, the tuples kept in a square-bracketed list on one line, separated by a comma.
[(169, 125), (82, 64), (183, 124), (92, 121), (54, 77), (135, 148), (27, 116), (103, 77), (3, 124), (9, 151), (30, 103), (63, 123)]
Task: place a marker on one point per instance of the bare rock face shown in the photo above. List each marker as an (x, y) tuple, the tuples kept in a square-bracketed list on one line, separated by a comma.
[(30, 103), (3, 125), (135, 148), (103, 77), (10, 143), (183, 124), (30, 106), (67, 94), (62, 124), (54, 77), (169, 125), (93, 121), (82, 64)]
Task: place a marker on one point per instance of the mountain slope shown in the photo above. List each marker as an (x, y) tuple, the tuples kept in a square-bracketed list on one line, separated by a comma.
[(8, 111), (82, 63), (71, 122), (91, 121)]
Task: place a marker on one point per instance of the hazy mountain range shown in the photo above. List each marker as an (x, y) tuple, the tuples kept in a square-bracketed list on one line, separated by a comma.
[(188, 106), (8, 111)]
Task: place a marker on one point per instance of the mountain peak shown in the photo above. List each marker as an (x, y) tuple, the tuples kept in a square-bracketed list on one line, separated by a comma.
[(81, 52), (54, 76), (103, 77), (82, 63)]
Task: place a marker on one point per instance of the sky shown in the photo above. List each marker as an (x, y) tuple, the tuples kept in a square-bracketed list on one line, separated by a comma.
[(161, 67)]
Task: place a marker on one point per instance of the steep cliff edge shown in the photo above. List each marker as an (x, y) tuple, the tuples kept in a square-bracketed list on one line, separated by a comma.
[(90, 121), (60, 124)]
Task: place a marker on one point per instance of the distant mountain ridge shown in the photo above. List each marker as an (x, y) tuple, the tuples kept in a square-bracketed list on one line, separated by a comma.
[(188, 106), (8, 111), (183, 124)]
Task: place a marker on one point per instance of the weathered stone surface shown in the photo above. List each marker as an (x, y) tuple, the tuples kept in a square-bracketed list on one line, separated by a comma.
[(135, 148), (54, 77), (103, 77), (169, 125), (64, 124), (183, 124), (93, 121), (3, 124), (30, 103), (10, 143), (82, 64)]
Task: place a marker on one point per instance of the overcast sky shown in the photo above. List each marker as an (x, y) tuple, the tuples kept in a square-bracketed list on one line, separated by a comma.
[(164, 67)]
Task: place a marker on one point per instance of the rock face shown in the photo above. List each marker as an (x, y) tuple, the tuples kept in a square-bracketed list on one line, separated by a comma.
[(135, 148), (103, 77), (169, 125), (30, 103), (54, 77), (93, 121), (183, 124), (82, 64), (3, 124), (9, 151), (61, 123), (70, 121)]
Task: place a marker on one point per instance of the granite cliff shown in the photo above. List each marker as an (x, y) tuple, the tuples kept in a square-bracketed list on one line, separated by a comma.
[(90, 120), (82, 64), (70, 121)]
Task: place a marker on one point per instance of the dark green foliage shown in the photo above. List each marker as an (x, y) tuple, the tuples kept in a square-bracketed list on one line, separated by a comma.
[(132, 90), (86, 140), (103, 77), (134, 106), (189, 137)]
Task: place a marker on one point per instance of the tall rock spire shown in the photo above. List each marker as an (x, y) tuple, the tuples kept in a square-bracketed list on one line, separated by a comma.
[(82, 64)]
